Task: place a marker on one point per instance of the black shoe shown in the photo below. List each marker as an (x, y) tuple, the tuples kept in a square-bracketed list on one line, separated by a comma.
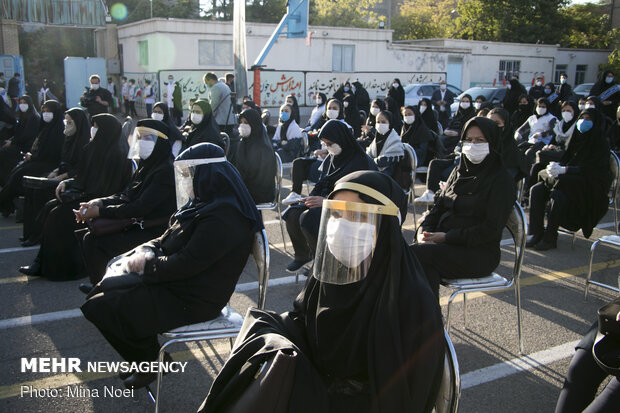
[(296, 265), (139, 380), (306, 272), (532, 240), (85, 288), (124, 376), (30, 242), (34, 269), (545, 245), (22, 239)]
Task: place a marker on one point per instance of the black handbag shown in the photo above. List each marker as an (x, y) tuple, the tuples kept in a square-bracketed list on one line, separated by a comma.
[(606, 348)]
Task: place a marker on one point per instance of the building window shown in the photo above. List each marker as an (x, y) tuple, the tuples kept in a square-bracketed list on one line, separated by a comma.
[(143, 51), (215, 53), (507, 68), (580, 74), (559, 69), (343, 58)]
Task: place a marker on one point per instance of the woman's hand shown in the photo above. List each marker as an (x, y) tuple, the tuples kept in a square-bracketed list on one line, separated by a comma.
[(87, 211), (53, 174), (27, 156), (433, 237), (314, 201), (137, 262), (450, 132), (60, 188)]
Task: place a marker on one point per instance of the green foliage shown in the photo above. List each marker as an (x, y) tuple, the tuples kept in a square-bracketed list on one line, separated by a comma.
[(265, 11), (423, 19), (348, 13), (588, 27), (141, 9)]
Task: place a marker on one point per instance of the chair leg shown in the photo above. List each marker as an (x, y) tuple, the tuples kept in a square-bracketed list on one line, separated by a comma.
[(282, 227), (454, 294), (572, 246), (159, 376), (594, 244), (465, 310), (519, 327), (616, 215)]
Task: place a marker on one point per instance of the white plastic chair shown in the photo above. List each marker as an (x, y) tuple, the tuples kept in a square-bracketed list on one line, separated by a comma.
[(275, 204), (450, 387), (517, 226), (229, 323)]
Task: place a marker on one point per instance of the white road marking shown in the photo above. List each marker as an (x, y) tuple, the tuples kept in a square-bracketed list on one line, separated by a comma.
[(18, 249)]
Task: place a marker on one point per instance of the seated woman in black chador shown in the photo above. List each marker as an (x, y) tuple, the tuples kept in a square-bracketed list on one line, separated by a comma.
[(103, 170), (149, 197), (179, 283), (576, 187), (255, 159), (365, 334), (302, 221), (417, 134), (460, 237)]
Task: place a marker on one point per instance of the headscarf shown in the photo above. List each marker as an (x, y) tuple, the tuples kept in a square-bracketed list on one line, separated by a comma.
[(429, 115), (340, 109), (294, 108), (73, 146), (521, 114), (493, 160), (284, 125), (394, 108), (513, 95), (370, 121), (103, 168), (417, 133), (361, 96), (207, 130), (48, 144), (387, 327), (352, 115), (600, 86), (381, 139), (217, 185), (547, 105), (255, 159), (397, 93), (508, 146), (323, 99), (32, 111), (462, 115), (174, 132), (566, 125)]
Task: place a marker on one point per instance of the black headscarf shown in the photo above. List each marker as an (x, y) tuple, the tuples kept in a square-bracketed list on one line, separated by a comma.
[(370, 121), (417, 133), (340, 109), (174, 132), (394, 108), (508, 146), (323, 99), (361, 96), (386, 328), (48, 144), (493, 160), (521, 113), (255, 159), (27, 127), (462, 115), (217, 185), (566, 125), (207, 130), (72, 148), (513, 95), (294, 108), (352, 115), (397, 93), (429, 115), (547, 105), (601, 85), (103, 169), (379, 138)]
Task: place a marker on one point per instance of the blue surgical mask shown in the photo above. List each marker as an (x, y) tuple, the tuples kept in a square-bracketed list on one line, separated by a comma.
[(548, 91), (609, 79), (346, 88), (284, 116), (584, 125)]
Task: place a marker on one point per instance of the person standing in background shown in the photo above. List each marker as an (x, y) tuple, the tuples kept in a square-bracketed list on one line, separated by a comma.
[(220, 100), (173, 99), (112, 89), (125, 94), (149, 98), (13, 91), (133, 93)]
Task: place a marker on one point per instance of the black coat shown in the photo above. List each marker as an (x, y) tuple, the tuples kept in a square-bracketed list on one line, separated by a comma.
[(89, 101)]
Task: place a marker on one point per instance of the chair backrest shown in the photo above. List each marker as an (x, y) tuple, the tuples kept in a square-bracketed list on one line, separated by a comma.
[(260, 252), (450, 387), (226, 140), (614, 165), (279, 173), (305, 141), (414, 162), (517, 226)]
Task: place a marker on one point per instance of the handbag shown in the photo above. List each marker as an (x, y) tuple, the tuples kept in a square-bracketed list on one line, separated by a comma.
[(606, 348), (106, 226)]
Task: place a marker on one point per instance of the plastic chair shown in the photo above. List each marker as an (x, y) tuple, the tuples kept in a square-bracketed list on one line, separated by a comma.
[(226, 140), (413, 159), (517, 226), (450, 388), (305, 143), (275, 204), (229, 323)]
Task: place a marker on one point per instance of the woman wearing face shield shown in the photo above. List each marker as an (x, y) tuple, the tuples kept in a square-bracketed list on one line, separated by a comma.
[(202, 126), (43, 157), (460, 237), (149, 197), (103, 169), (302, 220), (365, 334), (255, 159), (188, 274), (576, 188)]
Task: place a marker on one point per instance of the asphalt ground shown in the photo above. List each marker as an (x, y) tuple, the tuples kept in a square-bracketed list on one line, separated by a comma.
[(39, 318)]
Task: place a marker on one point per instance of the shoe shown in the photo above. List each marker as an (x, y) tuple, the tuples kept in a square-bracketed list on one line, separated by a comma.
[(22, 239), (124, 376), (34, 269), (532, 240), (545, 245), (292, 198), (428, 197), (85, 288), (30, 242), (306, 272), (139, 380), (296, 265)]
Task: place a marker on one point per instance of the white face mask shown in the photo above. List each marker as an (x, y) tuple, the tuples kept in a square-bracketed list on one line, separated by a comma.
[(319, 101), (541, 111), (442, 87), (332, 114), (244, 130), (349, 242), (23, 107), (567, 116), (196, 118), (562, 80), (582, 107), (157, 116), (47, 116), (93, 132), (346, 104), (475, 152), (69, 129), (409, 119), (508, 86), (477, 105), (422, 108), (374, 110), (538, 83), (94, 86), (145, 148), (465, 105), (589, 106), (334, 149), (395, 85), (382, 128)]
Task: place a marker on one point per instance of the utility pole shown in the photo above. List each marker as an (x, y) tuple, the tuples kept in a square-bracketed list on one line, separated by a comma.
[(151, 9)]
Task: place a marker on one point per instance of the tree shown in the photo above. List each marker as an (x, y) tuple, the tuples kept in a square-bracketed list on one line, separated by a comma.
[(423, 19), (587, 25), (134, 10), (348, 13), (265, 11)]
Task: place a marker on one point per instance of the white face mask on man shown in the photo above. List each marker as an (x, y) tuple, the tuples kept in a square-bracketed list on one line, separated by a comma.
[(475, 152)]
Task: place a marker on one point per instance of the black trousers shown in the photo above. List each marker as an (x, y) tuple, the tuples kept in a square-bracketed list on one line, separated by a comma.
[(540, 195), (438, 170), (300, 171), (14, 188), (99, 250), (303, 229)]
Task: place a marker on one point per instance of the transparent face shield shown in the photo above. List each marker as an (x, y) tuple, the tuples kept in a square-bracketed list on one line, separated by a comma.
[(142, 142), (347, 239), (184, 173)]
